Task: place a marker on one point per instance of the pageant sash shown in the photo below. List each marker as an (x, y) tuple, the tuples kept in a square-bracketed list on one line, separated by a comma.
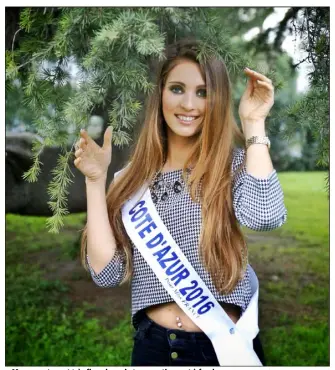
[(233, 343)]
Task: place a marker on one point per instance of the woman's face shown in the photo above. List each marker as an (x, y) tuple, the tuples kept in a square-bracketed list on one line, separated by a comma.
[(184, 99)]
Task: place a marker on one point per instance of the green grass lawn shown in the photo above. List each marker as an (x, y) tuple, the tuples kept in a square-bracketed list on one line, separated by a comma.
[(308, 207), (49, 324), (43, 326)]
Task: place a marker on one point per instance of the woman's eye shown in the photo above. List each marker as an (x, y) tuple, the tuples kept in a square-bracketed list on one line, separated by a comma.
[(179, 90), (202, 93), (176, 89)]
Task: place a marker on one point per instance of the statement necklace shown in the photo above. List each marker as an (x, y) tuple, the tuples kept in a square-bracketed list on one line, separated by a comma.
[(159, 184)]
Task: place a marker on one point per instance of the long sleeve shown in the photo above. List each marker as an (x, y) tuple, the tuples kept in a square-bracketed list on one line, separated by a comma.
[(112, 274), (258, 203)]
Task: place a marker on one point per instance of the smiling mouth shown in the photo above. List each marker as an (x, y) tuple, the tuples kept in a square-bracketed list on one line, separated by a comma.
[(186, 119)]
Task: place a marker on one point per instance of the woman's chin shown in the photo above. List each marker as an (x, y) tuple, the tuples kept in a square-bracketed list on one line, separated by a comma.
[(186, 132), (185, 135)]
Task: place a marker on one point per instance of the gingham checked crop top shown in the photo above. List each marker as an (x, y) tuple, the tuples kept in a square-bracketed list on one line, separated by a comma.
[(258, 205)]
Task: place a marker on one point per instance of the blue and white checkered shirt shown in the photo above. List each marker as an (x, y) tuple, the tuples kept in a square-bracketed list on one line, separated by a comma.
[(258, 205)]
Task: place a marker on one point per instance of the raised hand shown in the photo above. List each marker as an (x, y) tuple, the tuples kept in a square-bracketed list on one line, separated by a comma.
[(258, 97), (91, 159)]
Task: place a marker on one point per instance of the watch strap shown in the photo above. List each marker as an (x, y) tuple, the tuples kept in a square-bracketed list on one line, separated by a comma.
[(258, 140)]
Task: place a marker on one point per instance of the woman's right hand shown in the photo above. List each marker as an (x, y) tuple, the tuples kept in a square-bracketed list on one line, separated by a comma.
[(91, 159)]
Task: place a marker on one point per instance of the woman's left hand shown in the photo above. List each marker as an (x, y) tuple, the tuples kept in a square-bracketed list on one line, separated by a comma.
[(257, 99)]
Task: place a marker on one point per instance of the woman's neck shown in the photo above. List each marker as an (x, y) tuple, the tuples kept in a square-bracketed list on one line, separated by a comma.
[(179, 149)]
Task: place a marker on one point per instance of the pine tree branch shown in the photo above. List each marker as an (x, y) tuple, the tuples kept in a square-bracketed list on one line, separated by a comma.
[(57, 191), (37, 55), (20, 29), (302, 61)]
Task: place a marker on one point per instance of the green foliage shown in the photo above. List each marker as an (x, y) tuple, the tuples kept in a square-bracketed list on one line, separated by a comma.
[(307, 117), (248, 18), (57, 191), (11, 67), (308, 112), (32, 174), (311, 111), (17, 114)]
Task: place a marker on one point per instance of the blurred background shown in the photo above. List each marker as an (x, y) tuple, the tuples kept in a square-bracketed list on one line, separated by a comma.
[(68, 68)]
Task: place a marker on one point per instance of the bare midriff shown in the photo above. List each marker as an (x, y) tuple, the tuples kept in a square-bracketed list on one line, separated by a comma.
[(165, 315)]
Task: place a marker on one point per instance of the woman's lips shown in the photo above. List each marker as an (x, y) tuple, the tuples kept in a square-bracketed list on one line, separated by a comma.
[(188, 121)]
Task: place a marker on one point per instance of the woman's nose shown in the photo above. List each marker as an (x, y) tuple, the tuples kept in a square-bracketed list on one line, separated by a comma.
[(188, 102)]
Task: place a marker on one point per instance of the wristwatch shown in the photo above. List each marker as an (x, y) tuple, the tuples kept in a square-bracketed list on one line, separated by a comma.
[(258, 140)]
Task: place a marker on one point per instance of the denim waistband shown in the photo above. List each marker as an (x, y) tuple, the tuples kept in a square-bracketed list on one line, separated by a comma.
[(179, 340)]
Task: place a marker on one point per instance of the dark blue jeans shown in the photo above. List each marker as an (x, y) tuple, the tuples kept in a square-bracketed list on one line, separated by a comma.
[(155, 345)]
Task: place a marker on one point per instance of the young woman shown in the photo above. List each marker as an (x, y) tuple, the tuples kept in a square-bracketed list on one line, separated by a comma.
[(202, 187)]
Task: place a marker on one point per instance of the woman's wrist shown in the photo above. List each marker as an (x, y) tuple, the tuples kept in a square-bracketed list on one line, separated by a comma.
[(253, 128), (254, 132), (96, 182)]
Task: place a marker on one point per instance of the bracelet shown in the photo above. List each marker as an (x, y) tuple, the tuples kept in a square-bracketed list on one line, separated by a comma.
[(258, 140)]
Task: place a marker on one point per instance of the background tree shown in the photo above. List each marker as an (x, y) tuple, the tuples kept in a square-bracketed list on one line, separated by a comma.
[(310, 113)]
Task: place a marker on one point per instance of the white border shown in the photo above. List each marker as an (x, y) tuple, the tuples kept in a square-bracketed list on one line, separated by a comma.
[(191, 4)]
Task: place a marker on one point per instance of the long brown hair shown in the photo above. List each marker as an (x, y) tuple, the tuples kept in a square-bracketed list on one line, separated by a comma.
[(222, 246)]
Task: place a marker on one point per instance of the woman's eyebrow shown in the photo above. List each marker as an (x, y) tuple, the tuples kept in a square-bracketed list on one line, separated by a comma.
[(182, 83)]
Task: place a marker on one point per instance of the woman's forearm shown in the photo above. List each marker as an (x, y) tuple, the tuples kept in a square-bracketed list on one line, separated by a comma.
[(258, 162), (101, 243)]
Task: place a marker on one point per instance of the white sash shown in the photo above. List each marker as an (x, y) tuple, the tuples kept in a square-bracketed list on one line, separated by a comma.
[(233, 343)]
